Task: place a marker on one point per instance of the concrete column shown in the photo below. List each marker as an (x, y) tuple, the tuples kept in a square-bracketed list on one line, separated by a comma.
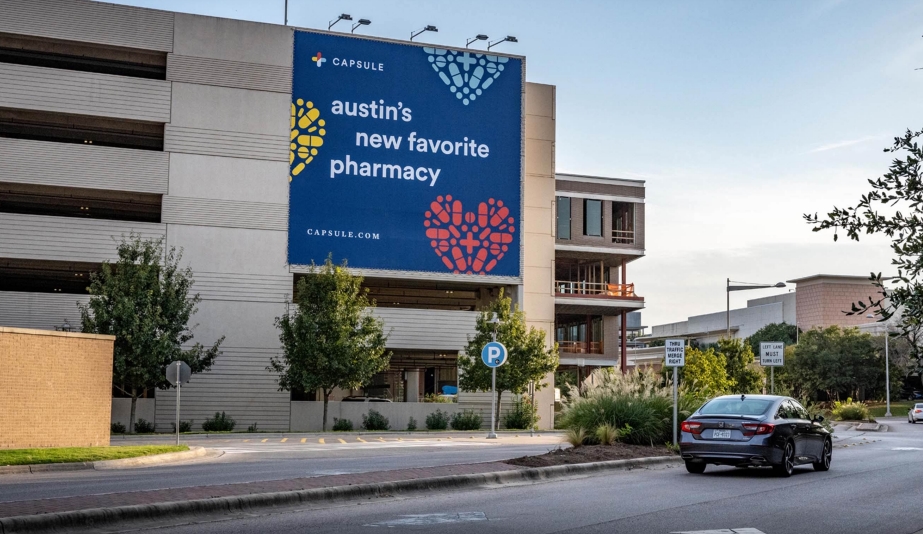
[(413, 385)]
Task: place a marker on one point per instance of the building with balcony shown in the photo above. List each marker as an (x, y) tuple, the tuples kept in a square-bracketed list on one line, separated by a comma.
[(599, 230)]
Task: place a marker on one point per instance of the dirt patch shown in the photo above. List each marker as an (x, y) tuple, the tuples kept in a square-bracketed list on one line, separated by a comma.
[(590, 453)]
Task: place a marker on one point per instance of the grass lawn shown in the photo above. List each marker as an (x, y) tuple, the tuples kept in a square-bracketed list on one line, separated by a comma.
[(898, 408), (82, 454)]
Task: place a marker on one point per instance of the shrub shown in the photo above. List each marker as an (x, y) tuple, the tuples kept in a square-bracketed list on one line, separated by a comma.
[(522, 416), (637, 400), (252, 428), (342, 425), (437, 420), (375, 421), (144, 427), (117, 428), (850, 411), (466, 420), (411, 424), (219, 423), (184, 426), (607, 434), (575, 436), (434, 397)]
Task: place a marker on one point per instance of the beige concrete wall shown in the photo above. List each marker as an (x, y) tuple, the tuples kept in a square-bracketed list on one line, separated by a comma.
[(820, 302), (55, 388), (538, 219)]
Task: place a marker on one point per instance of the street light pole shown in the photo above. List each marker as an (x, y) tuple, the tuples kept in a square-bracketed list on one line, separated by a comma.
[(730, 288), (495, 320), (887, 326)]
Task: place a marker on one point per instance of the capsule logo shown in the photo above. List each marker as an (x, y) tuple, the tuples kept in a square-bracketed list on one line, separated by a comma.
[(318, 59)]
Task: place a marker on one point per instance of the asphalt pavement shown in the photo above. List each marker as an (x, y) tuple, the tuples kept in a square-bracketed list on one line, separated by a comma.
[(874, 486), (261, 457)]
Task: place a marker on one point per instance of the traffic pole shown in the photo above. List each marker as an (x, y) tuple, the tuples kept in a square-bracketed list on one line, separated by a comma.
[(179, 389), (674, 406)]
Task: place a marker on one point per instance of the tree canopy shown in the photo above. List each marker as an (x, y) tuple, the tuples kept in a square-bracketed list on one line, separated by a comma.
[(893, 208), (784, 332), (743, 373), (705, 372), (143, 300), (528, 362), (329, 338), (839, 362)]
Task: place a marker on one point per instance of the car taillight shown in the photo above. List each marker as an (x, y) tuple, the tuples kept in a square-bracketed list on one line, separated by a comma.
[(917, 411), (750, 429), (692, 427)]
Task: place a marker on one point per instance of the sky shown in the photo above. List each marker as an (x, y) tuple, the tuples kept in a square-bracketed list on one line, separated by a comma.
[(740, 117)]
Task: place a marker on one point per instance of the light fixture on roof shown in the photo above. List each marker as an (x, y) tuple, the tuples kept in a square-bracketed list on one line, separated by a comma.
[(478, 37), (344, 16), (428, 28), (361, 22), (508, 38)]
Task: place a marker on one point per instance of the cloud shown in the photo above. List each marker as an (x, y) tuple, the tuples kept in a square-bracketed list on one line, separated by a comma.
[(841, 144)]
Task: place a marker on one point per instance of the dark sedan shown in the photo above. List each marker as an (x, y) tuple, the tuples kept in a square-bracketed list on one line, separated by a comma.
[(754, 431)]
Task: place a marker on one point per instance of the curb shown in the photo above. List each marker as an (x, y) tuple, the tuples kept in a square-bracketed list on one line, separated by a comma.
[(98, 517), (122, 463)]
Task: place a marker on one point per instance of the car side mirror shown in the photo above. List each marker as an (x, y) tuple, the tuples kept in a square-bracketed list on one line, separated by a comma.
[(819, 418)]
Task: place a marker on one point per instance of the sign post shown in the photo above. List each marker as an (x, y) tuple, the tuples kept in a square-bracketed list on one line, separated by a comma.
[(772, 355), (494, 354), (178, 373), (675, 357)]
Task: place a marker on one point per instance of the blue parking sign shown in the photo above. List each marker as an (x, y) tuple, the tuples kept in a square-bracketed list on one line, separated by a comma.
[(494, 354)]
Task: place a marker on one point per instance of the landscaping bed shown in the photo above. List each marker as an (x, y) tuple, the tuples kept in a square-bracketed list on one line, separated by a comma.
[(82, 454), (591, 453)]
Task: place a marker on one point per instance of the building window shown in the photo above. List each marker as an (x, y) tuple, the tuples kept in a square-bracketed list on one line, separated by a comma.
[(623, 223), (563, 217), (593, 217)]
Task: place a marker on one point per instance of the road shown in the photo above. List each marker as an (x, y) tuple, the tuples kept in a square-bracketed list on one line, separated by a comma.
[(261, 457), (872, 488)]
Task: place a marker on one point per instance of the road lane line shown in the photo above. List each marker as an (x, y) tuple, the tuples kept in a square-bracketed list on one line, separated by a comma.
[(264, 440), (283, 440), (343, 441), (360, 439), (321, 441)]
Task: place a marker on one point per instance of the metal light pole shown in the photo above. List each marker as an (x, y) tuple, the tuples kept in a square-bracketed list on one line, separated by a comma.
[(887, 368), (179, 388), (743, 288)]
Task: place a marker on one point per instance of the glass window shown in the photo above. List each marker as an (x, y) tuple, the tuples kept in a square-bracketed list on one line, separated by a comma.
[(592, 217), (735, 407), (563, 204), (800, 411)]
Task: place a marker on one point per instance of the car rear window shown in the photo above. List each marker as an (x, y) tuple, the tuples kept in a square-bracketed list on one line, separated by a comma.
[(918, 405), (736, 407)]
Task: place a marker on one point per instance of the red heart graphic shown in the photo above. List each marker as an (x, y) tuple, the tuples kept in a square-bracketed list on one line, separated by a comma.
[(469, 242)]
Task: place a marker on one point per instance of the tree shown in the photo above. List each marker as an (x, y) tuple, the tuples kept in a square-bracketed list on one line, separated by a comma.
[(899, 192), (739, 362), (784, 332), (705, 372), (143, 300), (839, 362), (329, 339), (528, 361)]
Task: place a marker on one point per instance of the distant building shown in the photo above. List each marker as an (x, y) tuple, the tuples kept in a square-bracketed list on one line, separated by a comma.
[(817, 301)]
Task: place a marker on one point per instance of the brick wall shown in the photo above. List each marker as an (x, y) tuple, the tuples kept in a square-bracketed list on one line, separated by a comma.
[(55, 388), (822, 303)]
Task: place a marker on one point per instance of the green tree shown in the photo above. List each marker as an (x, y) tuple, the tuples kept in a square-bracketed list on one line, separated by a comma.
[(528, 361), (143, 300), (329, 339), (742, 371), (839, 362), (784, 332), (705, 372), (900, 192)]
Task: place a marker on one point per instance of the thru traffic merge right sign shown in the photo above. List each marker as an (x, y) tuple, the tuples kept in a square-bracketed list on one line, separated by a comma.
[(675, 352)]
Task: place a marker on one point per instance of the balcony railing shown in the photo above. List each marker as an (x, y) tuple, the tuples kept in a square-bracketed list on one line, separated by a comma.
[(624, 237), (565, 287), (581, 347)]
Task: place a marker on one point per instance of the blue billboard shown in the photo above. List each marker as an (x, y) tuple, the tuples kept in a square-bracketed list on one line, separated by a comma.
[(405, 157)]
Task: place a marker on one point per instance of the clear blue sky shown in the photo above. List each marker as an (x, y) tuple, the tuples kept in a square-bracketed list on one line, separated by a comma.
[(741, 116)]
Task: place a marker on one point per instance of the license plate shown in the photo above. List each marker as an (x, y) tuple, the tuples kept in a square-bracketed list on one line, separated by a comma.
[(721, 434)]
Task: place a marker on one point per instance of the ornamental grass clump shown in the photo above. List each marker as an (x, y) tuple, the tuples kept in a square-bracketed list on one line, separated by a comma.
[(638, 400), (850, 411), (575, 436)]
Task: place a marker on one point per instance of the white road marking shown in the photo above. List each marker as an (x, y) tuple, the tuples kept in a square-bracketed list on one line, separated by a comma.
[(430, 519), (907, 449), (354, 446), (722, 531)]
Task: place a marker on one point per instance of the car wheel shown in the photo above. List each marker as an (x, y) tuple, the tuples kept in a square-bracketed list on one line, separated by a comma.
[(696, 468), (824, 463), (788, 461)]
